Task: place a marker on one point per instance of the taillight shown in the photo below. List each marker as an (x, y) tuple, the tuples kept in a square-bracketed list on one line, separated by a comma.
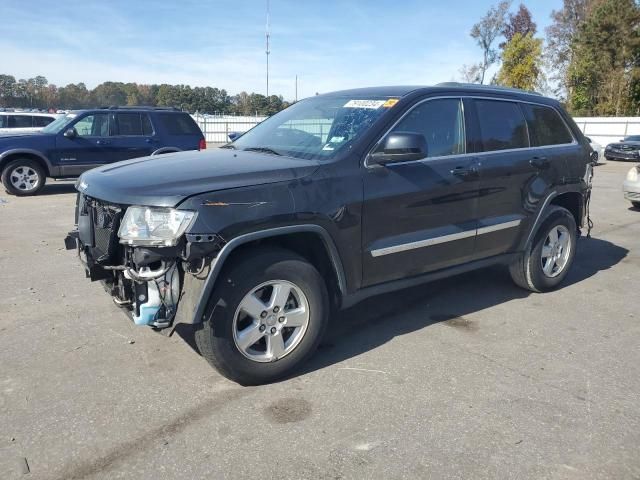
[(202, 145)]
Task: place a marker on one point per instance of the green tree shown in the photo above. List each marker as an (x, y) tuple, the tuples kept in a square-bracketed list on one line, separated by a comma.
[(485, 33), (604, 71), (521, 62)]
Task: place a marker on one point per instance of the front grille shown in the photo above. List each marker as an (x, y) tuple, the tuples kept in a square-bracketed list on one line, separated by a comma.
[(105, 221)]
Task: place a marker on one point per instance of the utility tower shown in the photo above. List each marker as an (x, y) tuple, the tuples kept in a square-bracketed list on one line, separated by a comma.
[(268, 34)]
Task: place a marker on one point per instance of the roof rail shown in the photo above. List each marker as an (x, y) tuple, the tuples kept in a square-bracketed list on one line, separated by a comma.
[(139, 107), (479, 86)]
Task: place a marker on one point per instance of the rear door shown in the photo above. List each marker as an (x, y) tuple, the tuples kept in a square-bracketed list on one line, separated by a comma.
[(132, 136), (420, 216), (515, 171)]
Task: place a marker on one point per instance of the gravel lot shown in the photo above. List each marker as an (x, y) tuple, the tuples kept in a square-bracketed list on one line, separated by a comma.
[(464, 378)]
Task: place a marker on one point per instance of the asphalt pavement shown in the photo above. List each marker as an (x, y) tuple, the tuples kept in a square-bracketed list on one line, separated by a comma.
[(469, 377)]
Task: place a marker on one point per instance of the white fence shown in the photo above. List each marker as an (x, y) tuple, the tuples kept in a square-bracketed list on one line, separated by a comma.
[(603, 130), (216, 128), (606, 130)]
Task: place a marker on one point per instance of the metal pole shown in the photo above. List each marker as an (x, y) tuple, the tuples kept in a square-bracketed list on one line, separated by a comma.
[(296, 88)]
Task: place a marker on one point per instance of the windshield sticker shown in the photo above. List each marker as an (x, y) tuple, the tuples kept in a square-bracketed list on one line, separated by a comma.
[(372, 104), (336, 139), (391, 102)]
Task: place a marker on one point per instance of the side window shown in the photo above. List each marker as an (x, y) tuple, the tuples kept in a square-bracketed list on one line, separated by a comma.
[(179, 124), (20, 121), (42, 121), (3, 121), (545, 126), (147, 128), (502, 125), (129, 124), (96, 125), (442, 124)]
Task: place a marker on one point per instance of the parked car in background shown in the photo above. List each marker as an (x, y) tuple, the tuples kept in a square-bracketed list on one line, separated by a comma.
[(24, 122), (85, 139), (627, 149), (334, 199), (599, 149), (631, 186)]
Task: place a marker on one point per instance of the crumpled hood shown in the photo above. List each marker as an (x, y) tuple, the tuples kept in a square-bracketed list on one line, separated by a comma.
[(166, 180)]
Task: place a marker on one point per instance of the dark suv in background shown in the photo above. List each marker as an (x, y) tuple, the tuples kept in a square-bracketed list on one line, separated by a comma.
[(85, 139), (337, 198)]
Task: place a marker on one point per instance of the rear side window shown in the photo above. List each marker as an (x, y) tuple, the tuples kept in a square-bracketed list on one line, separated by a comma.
[(179, 124), (147, 129), (502, 125), (20, 121), (42, 121), (545, 126), (128, 124), (442, 124)]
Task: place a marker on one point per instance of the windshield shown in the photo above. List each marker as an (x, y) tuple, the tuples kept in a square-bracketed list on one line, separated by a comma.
[(58, 124), (316, 128), (632, 138)]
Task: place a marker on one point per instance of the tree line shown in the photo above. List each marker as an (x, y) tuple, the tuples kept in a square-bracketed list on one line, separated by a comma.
[(590, 58), (39, 93)]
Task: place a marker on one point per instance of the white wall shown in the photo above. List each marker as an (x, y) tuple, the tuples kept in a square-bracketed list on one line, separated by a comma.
[(605, 130)]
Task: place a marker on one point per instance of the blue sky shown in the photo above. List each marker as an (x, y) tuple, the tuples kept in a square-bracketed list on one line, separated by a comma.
[(329, 44)]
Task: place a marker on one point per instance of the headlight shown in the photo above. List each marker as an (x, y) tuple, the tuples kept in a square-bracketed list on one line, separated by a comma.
[(632, 176), (154, 226)]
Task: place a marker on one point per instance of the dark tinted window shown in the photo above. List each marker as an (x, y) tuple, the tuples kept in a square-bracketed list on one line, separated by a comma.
[(20, 121), (442, 124), (545, 126), (42, 121), (179, 124), (147, 129), (502, 125), (3, 121), (128, 124)]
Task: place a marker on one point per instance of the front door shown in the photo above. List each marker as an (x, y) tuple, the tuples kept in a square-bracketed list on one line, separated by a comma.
[(90, 147), (420, 216)]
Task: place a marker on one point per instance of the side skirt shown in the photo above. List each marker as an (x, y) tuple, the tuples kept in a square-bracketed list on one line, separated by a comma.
[(354, 298)]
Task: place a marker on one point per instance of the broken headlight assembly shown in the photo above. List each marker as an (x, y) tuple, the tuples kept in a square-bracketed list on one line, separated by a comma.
[(153, 226)]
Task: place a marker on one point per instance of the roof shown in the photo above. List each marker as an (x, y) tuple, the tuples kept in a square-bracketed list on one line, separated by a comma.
[(401, 91)]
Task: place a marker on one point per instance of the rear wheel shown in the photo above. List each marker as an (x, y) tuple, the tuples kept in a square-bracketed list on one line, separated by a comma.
[(270, 312), (546, 261), (23, 177)]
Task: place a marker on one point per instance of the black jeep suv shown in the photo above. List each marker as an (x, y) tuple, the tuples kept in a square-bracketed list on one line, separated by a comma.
[(338, 197), (85, 139)]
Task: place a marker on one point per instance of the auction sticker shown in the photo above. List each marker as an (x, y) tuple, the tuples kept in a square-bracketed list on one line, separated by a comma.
[(373, 104)]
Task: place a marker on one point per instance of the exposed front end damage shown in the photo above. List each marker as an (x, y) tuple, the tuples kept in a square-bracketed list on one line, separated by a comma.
[(147, 281)]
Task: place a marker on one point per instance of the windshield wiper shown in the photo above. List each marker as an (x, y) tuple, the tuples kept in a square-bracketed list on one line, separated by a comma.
[(262, 149), (228, 145)]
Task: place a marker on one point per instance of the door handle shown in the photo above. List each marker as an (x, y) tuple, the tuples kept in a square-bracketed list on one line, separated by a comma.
[(541, 163), (465, 172), (102, 142)]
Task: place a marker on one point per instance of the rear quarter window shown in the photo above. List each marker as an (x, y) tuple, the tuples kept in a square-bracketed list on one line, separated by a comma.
[(179, 124), (502, 125), (545, 126)]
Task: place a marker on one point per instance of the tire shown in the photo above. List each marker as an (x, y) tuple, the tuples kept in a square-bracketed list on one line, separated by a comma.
[(16, 183), (528, 272), (636, 205), (219, 336)]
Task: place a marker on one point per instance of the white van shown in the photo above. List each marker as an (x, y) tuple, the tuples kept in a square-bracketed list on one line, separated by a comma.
[(24, 122)]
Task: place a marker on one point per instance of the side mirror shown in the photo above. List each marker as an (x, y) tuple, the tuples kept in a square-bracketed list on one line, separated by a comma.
[(400, 147), (70, 133), (233, 135)]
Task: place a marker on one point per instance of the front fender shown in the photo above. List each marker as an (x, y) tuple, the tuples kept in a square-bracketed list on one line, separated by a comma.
[(4, 156)]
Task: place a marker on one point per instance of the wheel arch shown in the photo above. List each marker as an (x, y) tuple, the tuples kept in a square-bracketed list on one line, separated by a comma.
[(310, 241), (10, 155)]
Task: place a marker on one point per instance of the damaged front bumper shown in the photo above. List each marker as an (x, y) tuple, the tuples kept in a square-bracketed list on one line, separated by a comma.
[(149, 282)]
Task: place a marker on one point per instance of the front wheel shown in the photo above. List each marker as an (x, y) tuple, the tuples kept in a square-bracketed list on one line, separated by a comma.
[(546, 261), (23, 177), (636, 205), (269, 313)]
